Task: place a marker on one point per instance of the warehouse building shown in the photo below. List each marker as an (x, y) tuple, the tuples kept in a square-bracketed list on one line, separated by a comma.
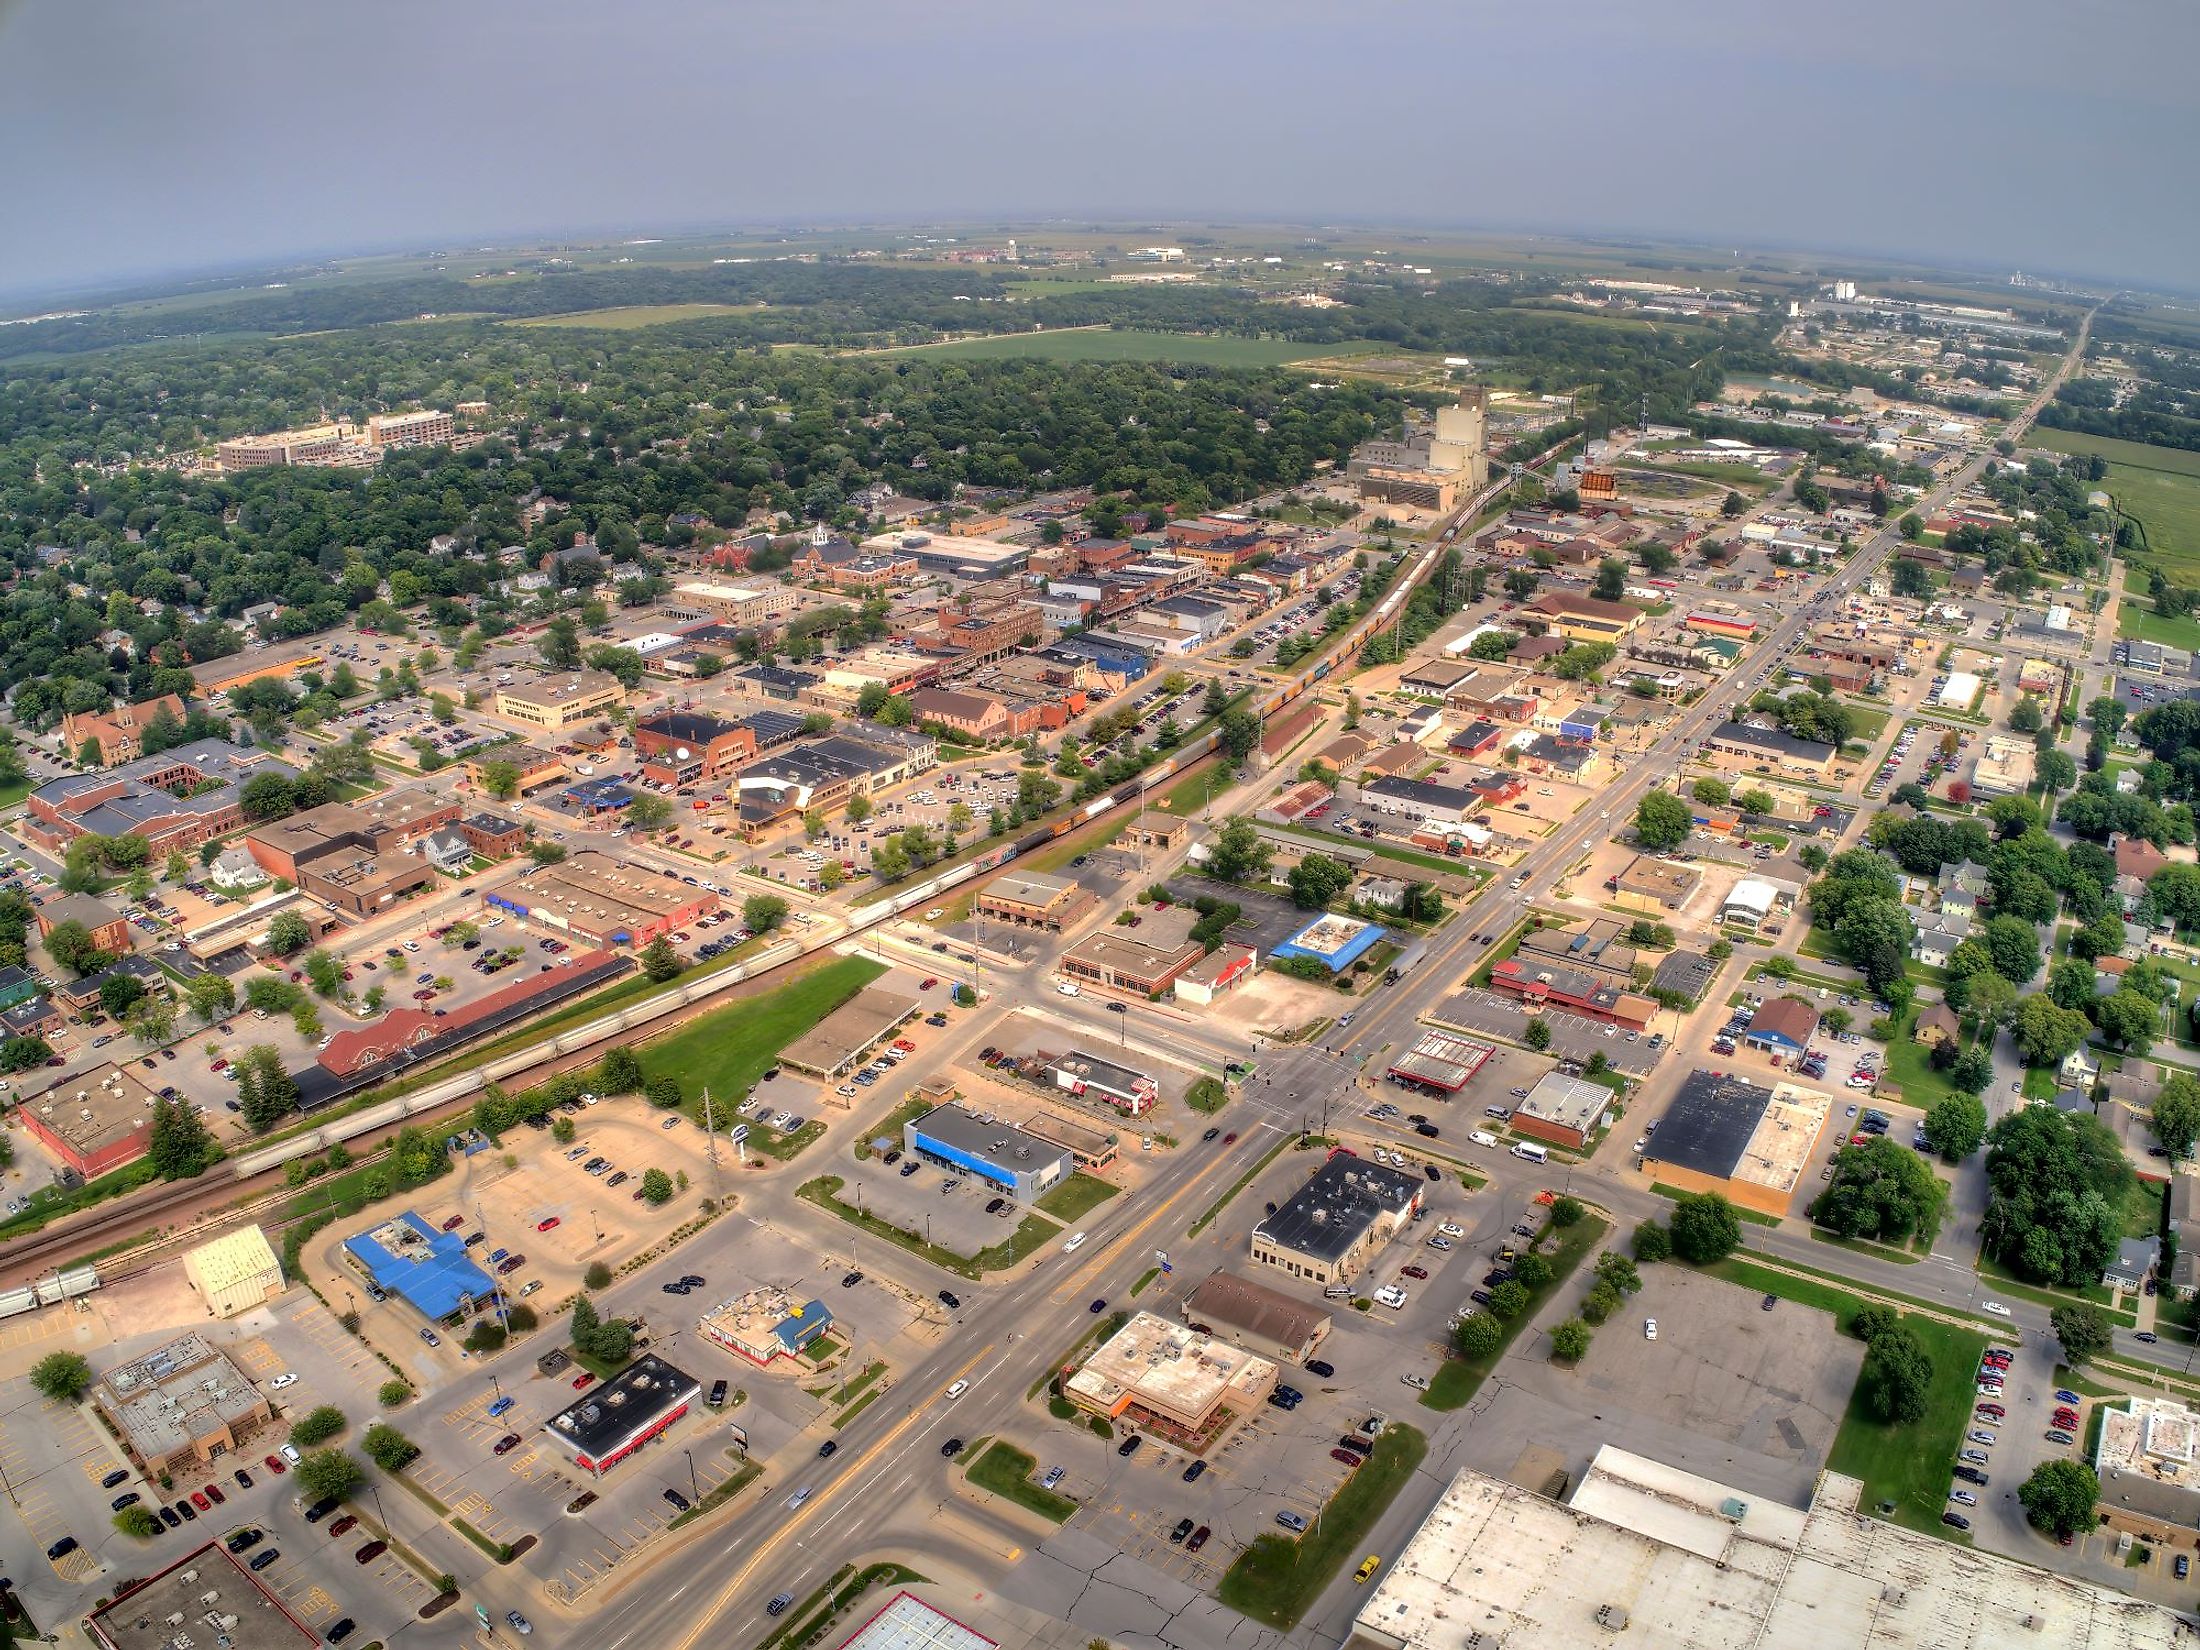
[(765, 1324), (1183, 1387), (234, 1273), (1257, 1318), (846, 1037), (612, 1421), (1566, 1111), (180, 1406), (205, 1598), (1001, 1155), (1749, 1143), (602, 900), (1330, 1229)]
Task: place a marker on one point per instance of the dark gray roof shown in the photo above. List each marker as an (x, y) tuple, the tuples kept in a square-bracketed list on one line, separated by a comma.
[(772, 727), (691, 726), (1331, 1212), (1772, 740), (1708, 1125), (1458, 797), (1687, 971), (626, 1404)]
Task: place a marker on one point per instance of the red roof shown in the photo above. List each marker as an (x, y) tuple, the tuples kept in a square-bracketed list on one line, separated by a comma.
[(348, 1051)]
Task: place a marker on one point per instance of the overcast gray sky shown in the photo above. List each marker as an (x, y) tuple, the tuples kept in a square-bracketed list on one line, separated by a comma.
[(147, 136)]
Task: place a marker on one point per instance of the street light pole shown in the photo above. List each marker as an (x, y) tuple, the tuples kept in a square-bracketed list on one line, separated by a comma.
[(694, 1487)]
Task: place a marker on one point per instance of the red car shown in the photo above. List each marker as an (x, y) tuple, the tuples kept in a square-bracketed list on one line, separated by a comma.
[(1230, 1139), (215, 1491), (583, 1381), (1413, 1272), (929, 982), (343, 1526), (275, 1464), (1344, 1455), (454, 1223), (198, 1500), (546, 1225)]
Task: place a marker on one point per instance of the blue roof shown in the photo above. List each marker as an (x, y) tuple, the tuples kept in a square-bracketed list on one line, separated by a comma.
[(803, 1325), (436, 1275), (1337, 961)]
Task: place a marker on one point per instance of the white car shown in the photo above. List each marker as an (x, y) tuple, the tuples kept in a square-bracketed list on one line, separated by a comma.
[(1452, 1229), (1995, 1307), (1390, 1295), (281, 1381), (1649, 1329), (1419, 1383), (937, 912), (1067, 988)]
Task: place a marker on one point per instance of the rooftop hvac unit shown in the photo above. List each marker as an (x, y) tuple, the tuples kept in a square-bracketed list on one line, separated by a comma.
[(209, 1596), (175, 1619)]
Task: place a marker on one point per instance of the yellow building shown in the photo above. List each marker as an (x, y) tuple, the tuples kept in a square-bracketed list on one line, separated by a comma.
[(559, 701), (235, 1273), (1583, 618)]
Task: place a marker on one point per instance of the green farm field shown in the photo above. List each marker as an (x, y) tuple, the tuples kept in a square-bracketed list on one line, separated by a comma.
[(2160, 486), (1109, 344)]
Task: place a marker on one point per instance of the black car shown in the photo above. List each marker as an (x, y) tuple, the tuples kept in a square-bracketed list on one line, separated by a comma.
[(1432, 1171), (950, 1300), (1129, 1446), (1212, 1134), (679, 1502), (848, 1280), (1971, 1475), (128, 1500), (246, 1538), (1427, 1130), (62, 1548), (169, 1517), (190, 1516), (267, 1558), (892, 1157), (952, 1448), (1497, 1275), (1356, 1444), (1098, 1306), (1955, 1520), (1480, 1297), (694, 1280), (831, 1446), (717, 1394), (121, 1475), (1194, 1472), (320, 1509), (341, 1631), (1184, 1527), (1321, 1367)]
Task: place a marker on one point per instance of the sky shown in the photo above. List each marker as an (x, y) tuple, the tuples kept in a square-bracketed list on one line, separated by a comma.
[(150, 138)]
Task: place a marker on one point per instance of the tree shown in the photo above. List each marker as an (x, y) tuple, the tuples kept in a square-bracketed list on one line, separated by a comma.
[(23, 1053), (656, 1187), (210, 995), (138, 1520), (1875, 935), (62, 1376), (660, 961), (1955, 1126), (1911, 580), (317, 1426), (1651, 1242), (288, 933), (648, 813), (2060, 1497), (562, 1130), (1618, 1271), (1705, 1228), (328, 1475), (1492, 645), (1880, 1190), (584, 1321), (1712, 793), (1755, 800), (2128, 1019), (761, 913), (1239, 853), (598, 1275), (1520, 584), (1662, 821), (1897, 1377), (116, 995), (1478, 1335), (388, 1448), (1537, 1035), (1567, 1211), (2056, 770), (2014, 945), (1533, 1271), (393, 1394), (1911, 527), (2045, 1033), (1733, 505), (180, 1145), (2083, 1329), (1570, 1341), (520, 1318), (1240, 732), (2056, 1184), (663, 1091), (1509, 1299), (69, 943), (2177, 1115), (1317, 880), (1611, 580)]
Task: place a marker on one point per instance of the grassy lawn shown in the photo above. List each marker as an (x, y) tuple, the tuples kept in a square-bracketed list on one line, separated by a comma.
[(1276, 1578), (2143, 1208), (632, 317), (2160, 487), (729, 1049), (1905, 1465), (1006, 1471), (1910, 1067), (1030, 1232), (2007, 1282), (1129, 344), (2039, 1083), (1862, 1246), (1458, 1380), (1868, 724), (1076, 1197), (2134, 619)]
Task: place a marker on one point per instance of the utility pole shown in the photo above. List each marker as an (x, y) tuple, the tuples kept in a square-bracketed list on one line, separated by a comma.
[(710, 1133)]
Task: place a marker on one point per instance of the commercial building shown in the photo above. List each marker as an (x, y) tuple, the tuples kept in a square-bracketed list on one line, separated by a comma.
[(1140, 961), (408, 1035), (1539, 985), (1596, 948), (205, 1598), (93, 1121), (1566, 1111), (532, 767), (825, 773), (432, 1271), (1171, 1381), (1336, 942), (1689, 973), (845, 1038), (1329, 1230), (322, 444), (557, 703), (116, 733), (610, 1422), (978, 716), (1738, 747), (603, 900), (492, 836), (1223, 968), (1441, 1062), (1257, 1318), (1648, 1557), (2005, 767), (413, 429), (2158, 659), (1655, 885), (1034, 899), (1751, 903), (1728, 1135), (958, 556), (1580, 618), (176, 799), (765, 1324), (1784, 1025), (180, 1405), (1088, 1147), (746, 605), (1007, 1159), (906, 1622), (235, 1272), (685, 747), (1129, 1090), (1421, 798)]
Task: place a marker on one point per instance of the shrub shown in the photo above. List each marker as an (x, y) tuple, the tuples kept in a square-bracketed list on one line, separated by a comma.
[(327, 1475), (1652, 1242), (598, 1275), (317, 1426), (388, 1448), (486, 1337), (139, 1521), (1478, 1335), (1570, 1341), (394, 1393), (1567, 1211), (520, 1319)]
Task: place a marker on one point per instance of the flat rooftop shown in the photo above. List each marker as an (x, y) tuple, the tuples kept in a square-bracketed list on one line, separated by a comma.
[(631, 1401), (1333, 1210), (1170, 1367), (1780, 1146), (1653, 1558), (1569, 1102), (850, 1030), (598, 892), (221, 1603), (92, 1110), (906, 1622), (1709, 1124), (174, 1393)]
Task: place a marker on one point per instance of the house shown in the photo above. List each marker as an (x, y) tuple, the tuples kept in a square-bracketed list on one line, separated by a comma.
[(447, 850), (2135, 1261), (1936, 1024), (234, 871), (2079, 1069), (1785, 1025), (1938, 936)]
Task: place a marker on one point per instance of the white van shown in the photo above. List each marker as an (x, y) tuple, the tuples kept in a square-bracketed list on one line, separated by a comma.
[(1075, 1243), (1531, 1154), (1483, 1137)]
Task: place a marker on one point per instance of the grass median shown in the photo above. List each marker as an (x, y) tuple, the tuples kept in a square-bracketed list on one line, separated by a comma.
[(1277, 1578), (1006, 1471), (1458, 1380)]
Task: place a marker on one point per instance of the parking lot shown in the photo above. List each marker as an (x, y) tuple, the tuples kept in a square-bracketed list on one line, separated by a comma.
[(1573, 1037)]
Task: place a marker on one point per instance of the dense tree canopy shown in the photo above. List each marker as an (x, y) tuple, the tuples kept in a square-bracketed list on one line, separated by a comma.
[(2056, 1184)]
